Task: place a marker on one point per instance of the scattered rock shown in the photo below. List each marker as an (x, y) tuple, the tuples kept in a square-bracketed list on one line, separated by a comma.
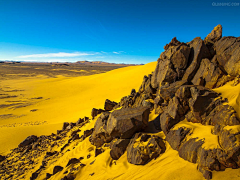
[(73, 161), (57, 169), (95, 112), (109, 105)]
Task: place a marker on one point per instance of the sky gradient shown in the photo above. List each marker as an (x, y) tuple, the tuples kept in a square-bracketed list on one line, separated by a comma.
[(128, 31)]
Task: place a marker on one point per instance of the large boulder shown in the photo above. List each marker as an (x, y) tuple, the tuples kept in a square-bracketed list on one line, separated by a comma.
[(207, 75), (228, 55), (143, 148), (100, 135), (199, 51), (171, 64), (123, 123)]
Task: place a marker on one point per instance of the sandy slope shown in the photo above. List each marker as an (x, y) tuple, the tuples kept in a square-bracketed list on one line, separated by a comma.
[(63, 99)]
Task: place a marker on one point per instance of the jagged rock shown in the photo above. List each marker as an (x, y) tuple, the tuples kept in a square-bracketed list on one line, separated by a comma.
[(228, 55), (48, 176), (198, 52), (100, 135), (65, 125), (51, 153), (172, 115), (57, 169), (87, 133), (146, 85), (140, 99), (174, 42), (98, 151), (73, 161), (189, 149), (206, 174), (168, 91), (163, 73), (109, 105), (118, 148), (95, 112), (171, 64), (80, 120), (175, 137), (141, 153), (70, 126), (29, 140), (133, 92), (70, 176), (123, 123), (207, 75), (215, 35), (2, 158)]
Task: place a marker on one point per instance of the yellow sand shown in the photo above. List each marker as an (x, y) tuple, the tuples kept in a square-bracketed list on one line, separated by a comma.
[(232, 93), (202, 132), (67, 99), (64, 99)]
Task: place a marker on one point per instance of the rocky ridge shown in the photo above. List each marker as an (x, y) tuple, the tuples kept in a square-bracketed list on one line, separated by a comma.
[(178, 90)]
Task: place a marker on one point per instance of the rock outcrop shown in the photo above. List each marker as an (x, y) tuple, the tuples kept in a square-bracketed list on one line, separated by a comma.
[(178, 92)]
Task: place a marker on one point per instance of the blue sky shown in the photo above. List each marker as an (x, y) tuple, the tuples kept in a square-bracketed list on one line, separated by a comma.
[(129, 31)]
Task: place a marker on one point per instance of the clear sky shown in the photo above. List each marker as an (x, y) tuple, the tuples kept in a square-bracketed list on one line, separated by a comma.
[(129, 31)]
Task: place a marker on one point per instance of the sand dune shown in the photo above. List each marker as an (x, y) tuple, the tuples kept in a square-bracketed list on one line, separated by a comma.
[(63, 99)]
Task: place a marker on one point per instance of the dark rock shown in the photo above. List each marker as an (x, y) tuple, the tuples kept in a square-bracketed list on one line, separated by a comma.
[(100, 135), (118, 148), (133, 92), (95, 112), (141, 153), (207, 75), (98, 151), (73, 161), (34, 176), (215, 35), (124, 123), (173, 114), (82, 165), (206, 174), (109, 105), (57, 169), (2, 158), (87, 133), (146, 85), (29, 140), (189, 149), (70, 176), (70, 126), (175, 137), (171, 64), (48, 176), (65, 125), (80, 120), (51, 153), (199, 51), (168, 92)]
